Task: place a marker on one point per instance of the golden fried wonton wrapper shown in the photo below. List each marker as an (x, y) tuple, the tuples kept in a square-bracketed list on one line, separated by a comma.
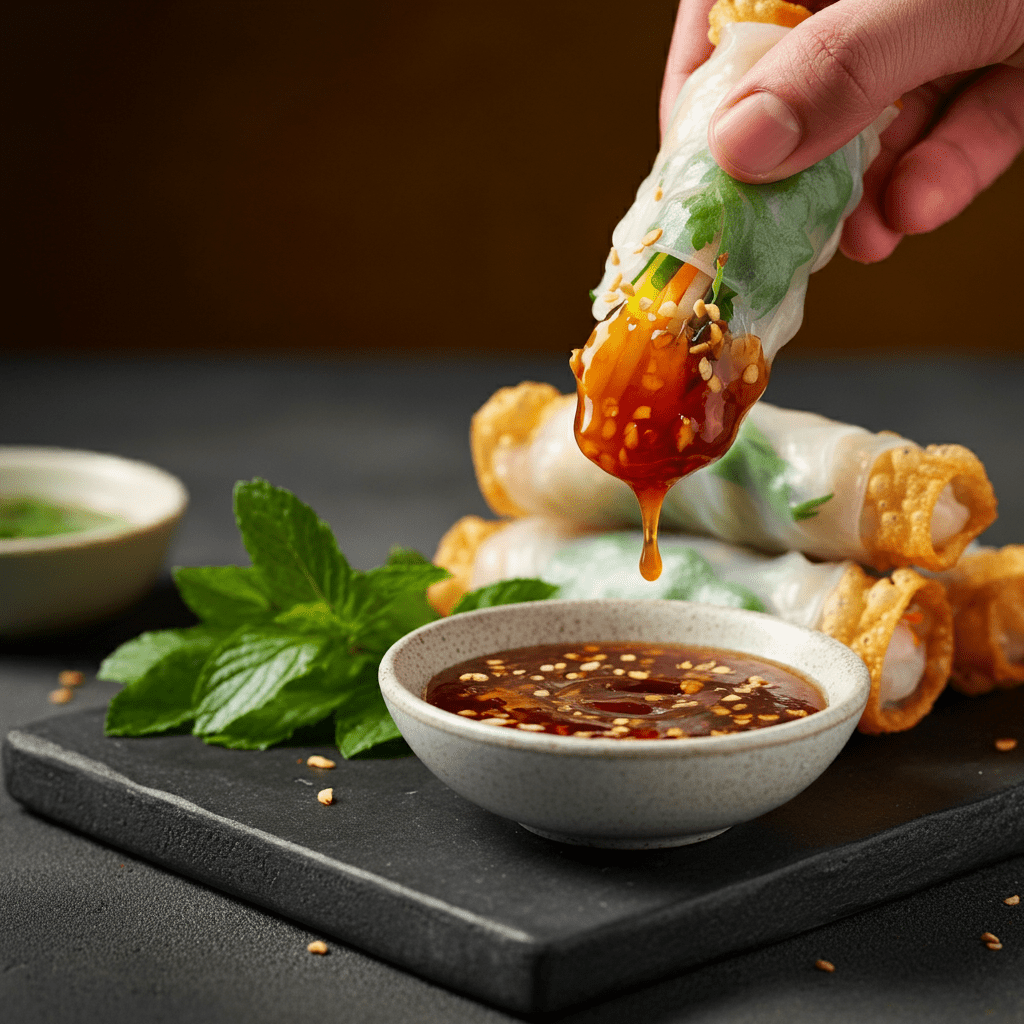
[(455, 553), (770, 12), (863, 613), (986, 590)]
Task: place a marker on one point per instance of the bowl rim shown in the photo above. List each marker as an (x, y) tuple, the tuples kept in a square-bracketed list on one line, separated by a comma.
[(35, 455), (834, 715)]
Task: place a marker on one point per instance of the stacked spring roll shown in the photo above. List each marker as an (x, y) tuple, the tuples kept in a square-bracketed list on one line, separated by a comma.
[(793, 481), (901, 625)]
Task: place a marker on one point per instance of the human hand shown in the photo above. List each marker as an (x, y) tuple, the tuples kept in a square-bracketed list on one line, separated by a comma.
[(958, 69)]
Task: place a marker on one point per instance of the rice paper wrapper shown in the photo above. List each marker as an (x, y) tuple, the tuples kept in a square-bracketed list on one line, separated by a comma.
[(775, 234)]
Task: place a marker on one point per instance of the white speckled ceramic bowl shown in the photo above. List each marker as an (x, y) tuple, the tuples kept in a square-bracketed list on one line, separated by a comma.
[(53, 583), (602, 792)]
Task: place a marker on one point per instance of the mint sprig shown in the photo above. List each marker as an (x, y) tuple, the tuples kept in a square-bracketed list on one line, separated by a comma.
[(288, 642)]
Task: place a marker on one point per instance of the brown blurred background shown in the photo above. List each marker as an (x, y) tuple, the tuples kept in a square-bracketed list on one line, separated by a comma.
[(325, 176)]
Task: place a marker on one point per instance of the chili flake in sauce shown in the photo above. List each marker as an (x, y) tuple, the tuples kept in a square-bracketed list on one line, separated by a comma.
[(624, 691)]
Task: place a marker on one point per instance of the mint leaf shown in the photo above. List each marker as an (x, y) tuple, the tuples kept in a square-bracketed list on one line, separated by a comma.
[(765, 229), (753, 464), (294, 552), (315, 618), (300, 702), (512, 591), (160, 698), (362, 721), (134, 658), (247, 670), (224, 595)]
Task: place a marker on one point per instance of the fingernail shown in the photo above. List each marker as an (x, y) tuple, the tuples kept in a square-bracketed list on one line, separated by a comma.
[(756, 134)]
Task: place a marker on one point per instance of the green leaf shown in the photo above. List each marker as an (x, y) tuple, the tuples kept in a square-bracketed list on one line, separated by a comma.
[(294, 551), (134, 658), (809, 509), (753, 464), (363, 722), (512, 591), (247, 670), (765, 229), (224, 595), (300, 702), (161, 697), (315, 618)]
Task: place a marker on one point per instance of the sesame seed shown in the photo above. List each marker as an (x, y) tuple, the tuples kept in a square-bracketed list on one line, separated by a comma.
[(473, 677), (657, 195), (627, 657), (542, 693), (519, 671), (572, 675), (319, 947), (589, 666), (1012, 901), (316, 761), (768, 718), (61, 695), (326, 797), (704, 368), (631, 435), (495, 661), (674, 731), (618, 671), (750, 374), (467, 713), (619, 730), (559, 665), (988, 937), (739, 707), (684, 664), (704, 666), (597, 657), (825, 965), (731, 696), (609, 297), (530, 727), (721, 670), (638, 673), (716, 334), (796, 713), (496, 721), (691, 686), (717, 709), (714, 385), (627, 288), (700, 349), (994, 945), (537, 679), (70, 677), (651, 237), (613, 256), (616, 281), (547, 668), (1006, 744), (720, 732)]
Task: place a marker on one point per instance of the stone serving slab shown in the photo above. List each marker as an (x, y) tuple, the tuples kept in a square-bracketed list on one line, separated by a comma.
[(402, 867)]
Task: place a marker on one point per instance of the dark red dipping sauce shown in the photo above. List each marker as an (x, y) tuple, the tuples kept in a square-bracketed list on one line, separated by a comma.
[(627, 691)]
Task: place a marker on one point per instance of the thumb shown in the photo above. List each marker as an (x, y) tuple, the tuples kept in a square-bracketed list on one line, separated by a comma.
[(833, 74)]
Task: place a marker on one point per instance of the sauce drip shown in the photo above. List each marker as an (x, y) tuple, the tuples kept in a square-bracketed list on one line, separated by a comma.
[(624, 691), (662, 387)]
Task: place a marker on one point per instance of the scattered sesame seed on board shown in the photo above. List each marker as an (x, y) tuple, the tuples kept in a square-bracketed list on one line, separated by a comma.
[(317, 761), (825, 965), (994, 945), (988, 937), (326, 797), (1006, 744), (1012, 901), (319, 947), (61, 695), (71, 677)]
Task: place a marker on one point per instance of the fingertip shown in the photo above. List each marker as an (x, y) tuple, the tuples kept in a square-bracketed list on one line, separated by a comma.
[(929, 186), (866, 238)]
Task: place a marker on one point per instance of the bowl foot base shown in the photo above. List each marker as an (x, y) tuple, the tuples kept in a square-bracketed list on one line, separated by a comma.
[(610, 843)]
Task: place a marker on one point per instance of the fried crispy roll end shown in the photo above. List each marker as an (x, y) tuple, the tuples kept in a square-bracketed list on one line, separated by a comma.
[(924, 506), (986, 591), (902, 627), (456, 552), (510, 416), (771, 12)]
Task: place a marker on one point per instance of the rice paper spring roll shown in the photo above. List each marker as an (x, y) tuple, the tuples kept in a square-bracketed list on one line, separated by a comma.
[(704, 282), (901, 625), (986, 591), (792, 481)]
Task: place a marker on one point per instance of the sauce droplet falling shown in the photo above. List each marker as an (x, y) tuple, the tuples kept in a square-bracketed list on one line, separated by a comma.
[(650, 513)]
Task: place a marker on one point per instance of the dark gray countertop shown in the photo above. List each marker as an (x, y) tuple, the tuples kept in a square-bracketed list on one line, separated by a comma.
[(88, 933)]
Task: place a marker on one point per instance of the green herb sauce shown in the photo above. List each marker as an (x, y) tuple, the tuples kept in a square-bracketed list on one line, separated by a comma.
[(33, 517)]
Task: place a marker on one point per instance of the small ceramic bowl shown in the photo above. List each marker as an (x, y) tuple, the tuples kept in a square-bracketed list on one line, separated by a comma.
[(607, 793), (71, 579)]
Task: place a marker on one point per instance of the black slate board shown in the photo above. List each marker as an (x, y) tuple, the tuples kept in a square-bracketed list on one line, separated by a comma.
[(402, 867)]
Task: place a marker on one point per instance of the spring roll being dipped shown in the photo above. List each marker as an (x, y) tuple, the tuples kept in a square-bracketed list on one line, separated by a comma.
[(900, 625), (792, 481), (704, 283)]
